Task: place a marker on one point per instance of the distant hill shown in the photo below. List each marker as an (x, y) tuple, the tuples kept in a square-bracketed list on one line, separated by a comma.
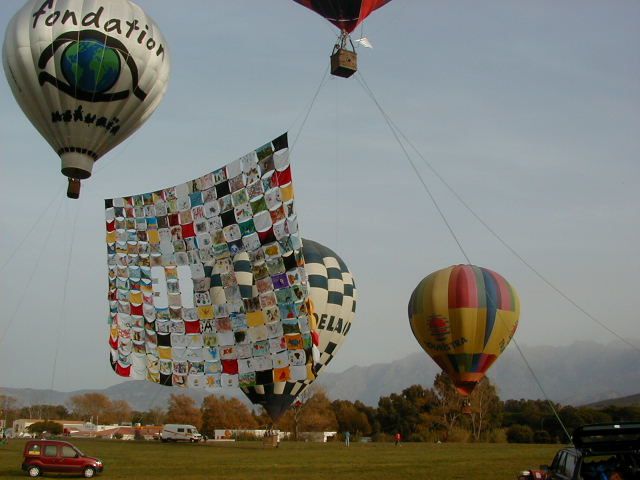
[(585, 373), (141, 395), (629, 401), (578, 374)]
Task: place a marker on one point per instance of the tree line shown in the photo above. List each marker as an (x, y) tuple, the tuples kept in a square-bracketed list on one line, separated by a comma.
[(418, 414)]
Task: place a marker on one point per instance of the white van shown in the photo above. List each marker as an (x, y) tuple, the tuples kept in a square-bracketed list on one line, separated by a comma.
[(175, 432)]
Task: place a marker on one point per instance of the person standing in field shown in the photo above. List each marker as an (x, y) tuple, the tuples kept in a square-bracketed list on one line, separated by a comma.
[(347, 437), (397, 438)]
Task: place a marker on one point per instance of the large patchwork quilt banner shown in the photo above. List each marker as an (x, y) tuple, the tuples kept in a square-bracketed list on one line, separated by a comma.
[(207, 280)]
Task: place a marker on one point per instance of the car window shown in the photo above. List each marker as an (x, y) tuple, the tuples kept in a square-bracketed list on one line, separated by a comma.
[(181, 430), (556, 461), (561, 463), (34, 449), (68, 452), (50, 451), (570, 465), (189, 430), (565, 465)]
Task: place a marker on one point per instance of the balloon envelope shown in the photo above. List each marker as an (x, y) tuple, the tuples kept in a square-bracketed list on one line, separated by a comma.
[(333, 295), (87, 73), (344, 14), (464, 316)]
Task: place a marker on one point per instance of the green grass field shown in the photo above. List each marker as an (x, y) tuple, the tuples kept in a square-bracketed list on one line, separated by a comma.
[(306, 461)]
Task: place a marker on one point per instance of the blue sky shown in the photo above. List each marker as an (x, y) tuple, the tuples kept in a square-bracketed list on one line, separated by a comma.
[(529, 110)]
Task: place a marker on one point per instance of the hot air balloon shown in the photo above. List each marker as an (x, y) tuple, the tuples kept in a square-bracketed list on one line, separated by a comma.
[(333, 298), (87, 73), (464, 316), (346, 15), (333, 294)]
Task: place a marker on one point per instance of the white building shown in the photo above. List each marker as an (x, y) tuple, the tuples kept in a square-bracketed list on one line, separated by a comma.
[(322, 437), (231, 435), (69, 427), (21, 425)]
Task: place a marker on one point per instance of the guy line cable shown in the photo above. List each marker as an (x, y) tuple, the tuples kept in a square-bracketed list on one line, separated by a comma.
[(413, 166), (308, 109), (393, 129), (61, 320), (31, 229), (25, 290), (499, 238)]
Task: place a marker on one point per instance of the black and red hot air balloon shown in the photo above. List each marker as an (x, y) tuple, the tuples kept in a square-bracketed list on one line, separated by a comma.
[(346, 15)]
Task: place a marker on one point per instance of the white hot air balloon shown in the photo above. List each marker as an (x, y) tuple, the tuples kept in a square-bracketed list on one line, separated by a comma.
[(334, 295), (87, 73)]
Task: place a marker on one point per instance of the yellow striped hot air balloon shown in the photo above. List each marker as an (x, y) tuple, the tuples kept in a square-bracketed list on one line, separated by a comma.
[(464, 316)]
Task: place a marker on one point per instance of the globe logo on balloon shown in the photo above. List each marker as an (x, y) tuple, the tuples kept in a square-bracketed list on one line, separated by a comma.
[(90, 66)]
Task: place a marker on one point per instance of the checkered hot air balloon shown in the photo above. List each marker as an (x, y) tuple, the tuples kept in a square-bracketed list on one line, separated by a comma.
[(464, 316), (333, 297)]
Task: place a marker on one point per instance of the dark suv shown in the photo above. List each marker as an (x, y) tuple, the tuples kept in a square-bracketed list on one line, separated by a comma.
[(57, 457), (600, 452)]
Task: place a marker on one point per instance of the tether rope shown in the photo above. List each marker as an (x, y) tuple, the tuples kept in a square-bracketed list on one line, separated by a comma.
[(107, 162), (61, 322), (308, 109), (30, 231), (369, 92), (513, 251), (535, 377), (25, 290), (397, 133), (336, 157)]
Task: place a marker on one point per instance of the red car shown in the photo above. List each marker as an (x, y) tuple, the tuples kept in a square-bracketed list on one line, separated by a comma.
[(533, 475), (54, 456)]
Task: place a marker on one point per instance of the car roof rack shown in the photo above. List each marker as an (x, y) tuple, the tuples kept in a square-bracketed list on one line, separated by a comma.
[(608, 437)]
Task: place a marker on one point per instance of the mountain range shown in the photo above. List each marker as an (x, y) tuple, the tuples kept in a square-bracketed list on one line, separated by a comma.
[(628, 401), (579, 374)]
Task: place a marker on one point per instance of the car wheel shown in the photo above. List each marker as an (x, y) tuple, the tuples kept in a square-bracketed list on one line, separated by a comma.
[(33, 471), (88, 472)]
